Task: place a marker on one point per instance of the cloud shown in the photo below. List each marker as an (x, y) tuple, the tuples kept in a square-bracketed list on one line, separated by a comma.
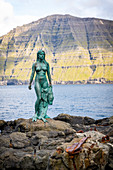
[(8, 20), (6, 13), (105, 9), (15, 13), (6, 10), (88, 8)]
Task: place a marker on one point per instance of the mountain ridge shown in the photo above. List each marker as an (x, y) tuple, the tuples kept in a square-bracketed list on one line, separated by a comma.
[(79, 50)]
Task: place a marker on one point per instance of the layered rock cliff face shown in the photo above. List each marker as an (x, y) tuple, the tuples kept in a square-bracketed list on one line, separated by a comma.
[(79, 50)]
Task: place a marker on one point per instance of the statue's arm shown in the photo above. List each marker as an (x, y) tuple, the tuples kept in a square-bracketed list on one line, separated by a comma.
[(32, 76), (49, 75)]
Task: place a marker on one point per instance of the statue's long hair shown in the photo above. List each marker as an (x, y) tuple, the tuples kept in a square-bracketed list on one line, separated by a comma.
[(40, 51)]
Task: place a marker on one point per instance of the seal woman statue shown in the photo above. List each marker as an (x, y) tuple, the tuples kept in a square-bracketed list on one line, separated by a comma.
[(43, 90)]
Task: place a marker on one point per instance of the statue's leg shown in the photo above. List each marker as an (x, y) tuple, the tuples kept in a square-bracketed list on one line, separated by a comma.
[(36, 106), (38, 94), (45, 86)]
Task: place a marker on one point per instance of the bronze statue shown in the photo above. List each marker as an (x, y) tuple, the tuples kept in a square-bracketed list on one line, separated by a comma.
[(43, 90)]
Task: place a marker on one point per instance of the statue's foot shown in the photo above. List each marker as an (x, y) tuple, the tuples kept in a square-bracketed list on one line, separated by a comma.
[(46, 116), (44, 120), (41, 118), (34, 118)]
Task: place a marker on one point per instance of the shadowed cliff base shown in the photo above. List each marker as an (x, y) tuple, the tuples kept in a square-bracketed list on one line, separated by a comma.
[(90, 81)]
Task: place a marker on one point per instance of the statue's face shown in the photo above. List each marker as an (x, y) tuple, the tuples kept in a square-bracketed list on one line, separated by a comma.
[(41, 55)]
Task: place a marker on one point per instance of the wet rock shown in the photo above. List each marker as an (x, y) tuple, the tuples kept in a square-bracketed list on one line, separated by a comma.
[(9, 159), (104, 126), (4, 141), (110, 159), (18, 147), (75, 119), (105, 121), (111, 120), (37, 145), (110, 133), (2, 123)]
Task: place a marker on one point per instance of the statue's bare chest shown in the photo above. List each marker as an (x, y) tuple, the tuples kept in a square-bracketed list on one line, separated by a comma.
[(41, 66)]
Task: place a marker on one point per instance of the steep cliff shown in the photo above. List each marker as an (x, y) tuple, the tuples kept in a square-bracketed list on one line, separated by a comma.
[(79, 50)]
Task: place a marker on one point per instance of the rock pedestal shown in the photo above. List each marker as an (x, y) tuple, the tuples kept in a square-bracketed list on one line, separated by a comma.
[(27, 145)]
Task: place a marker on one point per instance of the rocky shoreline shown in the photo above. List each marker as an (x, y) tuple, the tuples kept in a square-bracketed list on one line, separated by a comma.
[(27, 145)]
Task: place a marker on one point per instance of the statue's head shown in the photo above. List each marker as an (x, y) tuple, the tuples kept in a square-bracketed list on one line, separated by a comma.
[(41, 55)]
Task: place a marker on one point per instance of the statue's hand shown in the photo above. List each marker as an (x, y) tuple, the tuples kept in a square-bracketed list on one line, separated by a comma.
[(29, 87)]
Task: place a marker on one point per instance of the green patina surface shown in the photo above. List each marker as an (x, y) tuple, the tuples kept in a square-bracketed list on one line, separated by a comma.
[(43, 90)]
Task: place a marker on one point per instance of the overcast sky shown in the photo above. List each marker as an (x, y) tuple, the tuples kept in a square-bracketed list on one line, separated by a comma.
[(15, 13)]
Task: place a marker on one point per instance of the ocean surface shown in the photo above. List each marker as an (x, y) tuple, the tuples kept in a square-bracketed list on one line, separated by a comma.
[(95, 101)]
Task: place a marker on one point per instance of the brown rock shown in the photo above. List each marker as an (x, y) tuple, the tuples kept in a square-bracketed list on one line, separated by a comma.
[(43, 146), (87, 158), (19, 140), (27, 163), (87, 162), (4, 141), (111, 120), (2, 123), (110, 133)]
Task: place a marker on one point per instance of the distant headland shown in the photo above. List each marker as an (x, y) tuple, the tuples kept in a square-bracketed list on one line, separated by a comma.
[(79, 50)]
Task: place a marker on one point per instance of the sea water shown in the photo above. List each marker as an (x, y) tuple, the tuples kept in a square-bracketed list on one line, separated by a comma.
[(92, 100)]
